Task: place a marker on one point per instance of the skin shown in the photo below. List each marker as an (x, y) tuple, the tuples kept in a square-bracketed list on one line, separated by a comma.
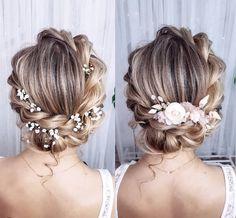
[(74, 190), (194, 190)]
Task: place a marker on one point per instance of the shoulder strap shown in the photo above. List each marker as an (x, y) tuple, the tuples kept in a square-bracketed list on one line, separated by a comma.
[(108, 194), (230, 187), (119, 174)]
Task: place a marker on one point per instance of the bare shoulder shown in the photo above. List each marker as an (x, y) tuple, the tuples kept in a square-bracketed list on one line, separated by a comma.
[(8, 176), (93, 175), (6, 164), (8, 167), (216, 173), (136, 171), (2, 159), (9, 170), (213, 186)]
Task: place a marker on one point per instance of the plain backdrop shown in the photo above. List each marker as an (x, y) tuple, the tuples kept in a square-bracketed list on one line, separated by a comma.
[(20, 22), (136, 24)]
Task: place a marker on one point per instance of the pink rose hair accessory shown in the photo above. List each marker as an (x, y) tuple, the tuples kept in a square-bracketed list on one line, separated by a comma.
[(178, 113)]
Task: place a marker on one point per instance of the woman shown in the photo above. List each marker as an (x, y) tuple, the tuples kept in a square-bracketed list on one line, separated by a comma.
[(175, 92), (57, 90)]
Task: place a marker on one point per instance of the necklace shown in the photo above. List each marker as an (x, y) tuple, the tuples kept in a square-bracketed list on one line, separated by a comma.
[(41, 176), (170, 171)]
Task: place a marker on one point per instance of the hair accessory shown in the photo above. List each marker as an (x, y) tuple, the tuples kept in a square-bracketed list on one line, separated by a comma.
[(79, 124), (94, 113), (177, 113), (53, 133), (33, 126), (47, 146), (34, 107), (88, 68), (21, 93)]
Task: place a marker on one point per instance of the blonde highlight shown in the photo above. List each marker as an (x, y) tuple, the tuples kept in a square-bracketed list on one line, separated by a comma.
[(51, 72), (178, 67)]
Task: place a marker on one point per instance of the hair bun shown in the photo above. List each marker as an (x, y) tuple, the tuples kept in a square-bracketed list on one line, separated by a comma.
[(180, 68), (49, 85)]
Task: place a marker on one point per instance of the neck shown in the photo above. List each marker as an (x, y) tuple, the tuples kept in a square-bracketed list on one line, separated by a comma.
[(171, 161), (47, 155), (58, 162)]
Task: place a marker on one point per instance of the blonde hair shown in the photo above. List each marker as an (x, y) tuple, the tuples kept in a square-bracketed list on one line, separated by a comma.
[(180, 68), (51, 72)]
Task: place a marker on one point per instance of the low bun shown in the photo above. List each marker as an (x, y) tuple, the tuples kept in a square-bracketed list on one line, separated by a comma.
[(52, 73), (180, 68)]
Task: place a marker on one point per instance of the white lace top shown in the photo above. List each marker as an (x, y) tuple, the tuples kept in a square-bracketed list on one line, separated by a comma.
[(229, 210)]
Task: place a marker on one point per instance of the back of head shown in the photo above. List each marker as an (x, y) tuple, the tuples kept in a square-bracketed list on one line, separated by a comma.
[(176, 67), (57, 90)]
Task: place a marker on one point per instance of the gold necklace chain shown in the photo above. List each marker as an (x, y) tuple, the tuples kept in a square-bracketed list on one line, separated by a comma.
[(170, 171), (41, 176)]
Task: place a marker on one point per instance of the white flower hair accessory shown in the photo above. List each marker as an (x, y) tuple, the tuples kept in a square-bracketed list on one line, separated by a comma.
[(53, 133), (79, 123), (177, 113), (21, 93), (34, 107), (95, 113), (88, 69)]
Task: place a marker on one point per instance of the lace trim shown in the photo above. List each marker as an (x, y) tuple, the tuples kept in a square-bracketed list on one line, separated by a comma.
[(108, 194), (230, 202), (120, 172)]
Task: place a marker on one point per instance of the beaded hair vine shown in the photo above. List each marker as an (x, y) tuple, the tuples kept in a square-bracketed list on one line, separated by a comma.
[(177, 113), (95, 113)]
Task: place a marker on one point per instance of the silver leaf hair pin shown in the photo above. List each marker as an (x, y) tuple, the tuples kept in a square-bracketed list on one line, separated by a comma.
[(159, 106)]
